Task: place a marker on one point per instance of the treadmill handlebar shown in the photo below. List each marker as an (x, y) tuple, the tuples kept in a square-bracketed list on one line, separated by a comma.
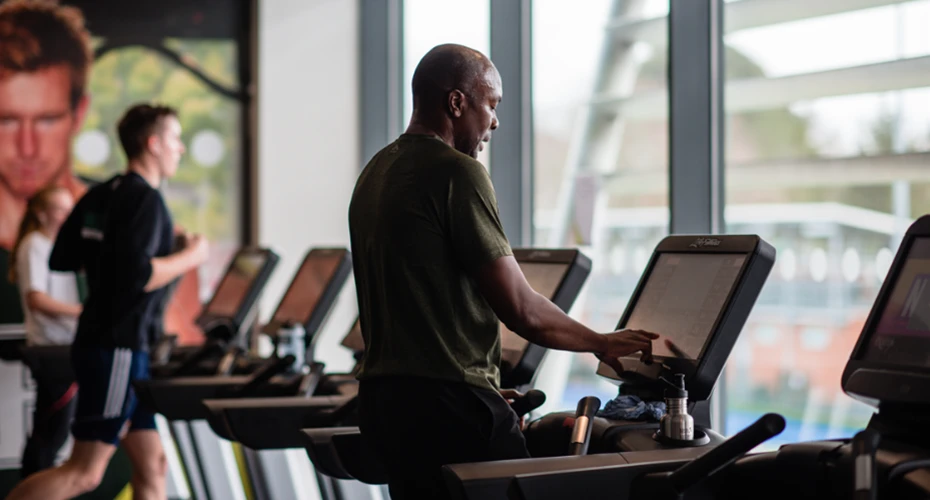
[(581, 432), (266, 372), (534, 398), (209, 349), (768, 426)]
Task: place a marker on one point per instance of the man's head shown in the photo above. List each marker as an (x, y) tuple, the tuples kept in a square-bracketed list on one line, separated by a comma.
[(151, 135), (460, 85), (45, 57)]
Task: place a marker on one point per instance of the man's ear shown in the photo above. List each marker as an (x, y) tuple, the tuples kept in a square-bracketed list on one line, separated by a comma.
[(456, 103), (80, 113), (153, 144)]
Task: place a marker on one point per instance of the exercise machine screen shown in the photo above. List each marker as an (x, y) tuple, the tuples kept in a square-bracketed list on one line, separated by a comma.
[(236, 283), (682, 299), (902, 336), (307, 288)]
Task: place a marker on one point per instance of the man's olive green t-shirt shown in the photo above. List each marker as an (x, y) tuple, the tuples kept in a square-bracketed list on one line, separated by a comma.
[(424, 216)]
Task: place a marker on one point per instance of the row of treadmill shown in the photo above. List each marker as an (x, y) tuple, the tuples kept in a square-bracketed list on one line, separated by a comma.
[(237, 420)]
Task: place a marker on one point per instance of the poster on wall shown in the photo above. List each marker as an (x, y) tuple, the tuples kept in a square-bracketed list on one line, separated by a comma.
[(69, 69)]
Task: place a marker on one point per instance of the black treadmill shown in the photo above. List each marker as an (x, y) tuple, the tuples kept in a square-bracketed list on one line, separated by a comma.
[(697, 292), (224, 319), (307, 302), (889, 369), (276, 423)]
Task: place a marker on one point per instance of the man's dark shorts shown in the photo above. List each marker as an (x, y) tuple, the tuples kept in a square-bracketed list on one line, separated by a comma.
[(106, 398)]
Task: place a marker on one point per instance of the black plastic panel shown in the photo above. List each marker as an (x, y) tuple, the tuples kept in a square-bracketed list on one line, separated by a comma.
[(274, 423)]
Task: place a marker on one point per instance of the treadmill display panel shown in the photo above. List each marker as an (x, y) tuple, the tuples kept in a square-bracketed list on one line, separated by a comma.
[(682, 298), (236, 283), (902, 336), (307, 288), (545, 279)]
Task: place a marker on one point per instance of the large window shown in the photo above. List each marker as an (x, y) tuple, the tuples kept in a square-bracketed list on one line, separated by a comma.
[(828, 138), (600, 159)]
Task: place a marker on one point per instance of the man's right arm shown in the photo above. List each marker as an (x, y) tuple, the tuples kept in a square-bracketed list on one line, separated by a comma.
[(166, 269), (476, 234), (541, 322)]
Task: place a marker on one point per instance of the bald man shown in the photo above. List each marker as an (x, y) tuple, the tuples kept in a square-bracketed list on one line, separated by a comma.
[(434, 272)]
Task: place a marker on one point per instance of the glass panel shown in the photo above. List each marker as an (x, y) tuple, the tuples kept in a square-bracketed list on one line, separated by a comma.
[(204, 196), (601, 169), (428, 23), (828, 138)]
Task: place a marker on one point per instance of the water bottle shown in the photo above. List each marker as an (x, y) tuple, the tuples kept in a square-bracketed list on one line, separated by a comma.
[(677, 423), (291, 339)]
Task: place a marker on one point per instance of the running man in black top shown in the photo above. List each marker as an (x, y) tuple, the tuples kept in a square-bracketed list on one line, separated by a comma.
[(122, 235)]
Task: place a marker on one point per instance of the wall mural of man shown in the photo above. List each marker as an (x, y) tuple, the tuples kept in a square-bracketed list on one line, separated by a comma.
[(45, 60), (46, 56)]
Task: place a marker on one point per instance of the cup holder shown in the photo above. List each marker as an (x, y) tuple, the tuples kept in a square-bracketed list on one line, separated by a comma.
[(700, 439)]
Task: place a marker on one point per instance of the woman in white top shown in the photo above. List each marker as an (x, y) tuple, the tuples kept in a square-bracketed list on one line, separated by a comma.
[(51, 305)]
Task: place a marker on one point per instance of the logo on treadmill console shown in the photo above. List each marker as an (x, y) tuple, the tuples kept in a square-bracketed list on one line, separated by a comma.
[(705, 242)]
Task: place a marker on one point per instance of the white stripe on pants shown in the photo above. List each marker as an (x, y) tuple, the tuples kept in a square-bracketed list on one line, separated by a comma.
[(119, 379)]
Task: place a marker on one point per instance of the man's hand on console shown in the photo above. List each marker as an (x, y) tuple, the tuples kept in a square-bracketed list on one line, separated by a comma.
[(625, 342)]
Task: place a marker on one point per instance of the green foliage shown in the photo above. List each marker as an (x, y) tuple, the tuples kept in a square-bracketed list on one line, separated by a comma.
[(202, 198)]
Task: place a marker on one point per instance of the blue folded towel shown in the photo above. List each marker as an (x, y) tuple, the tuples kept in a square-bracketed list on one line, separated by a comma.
[(625, 407)]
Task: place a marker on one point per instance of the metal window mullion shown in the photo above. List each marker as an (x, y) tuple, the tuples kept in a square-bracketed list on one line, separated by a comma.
[(381, 87), (511, 150), (696, 130)]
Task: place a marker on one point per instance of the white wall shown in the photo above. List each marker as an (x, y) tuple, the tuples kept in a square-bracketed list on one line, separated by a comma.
[(308, 142)]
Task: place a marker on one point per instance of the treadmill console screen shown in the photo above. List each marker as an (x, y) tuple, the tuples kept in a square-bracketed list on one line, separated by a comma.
[(308, 286), (682, 298), (902, 336), (545, 279), (236, 283)]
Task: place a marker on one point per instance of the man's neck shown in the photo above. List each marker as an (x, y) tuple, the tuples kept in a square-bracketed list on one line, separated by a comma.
[(437, 128), (147, 170), (72, 184)]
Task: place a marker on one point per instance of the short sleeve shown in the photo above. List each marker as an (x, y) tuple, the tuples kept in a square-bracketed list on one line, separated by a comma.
[(474, 224), (35, 255), (66, 253)]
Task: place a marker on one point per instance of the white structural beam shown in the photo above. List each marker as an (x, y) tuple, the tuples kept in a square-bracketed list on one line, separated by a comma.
[(763, 213), (785, 174), (742, 15), (757, 94)]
